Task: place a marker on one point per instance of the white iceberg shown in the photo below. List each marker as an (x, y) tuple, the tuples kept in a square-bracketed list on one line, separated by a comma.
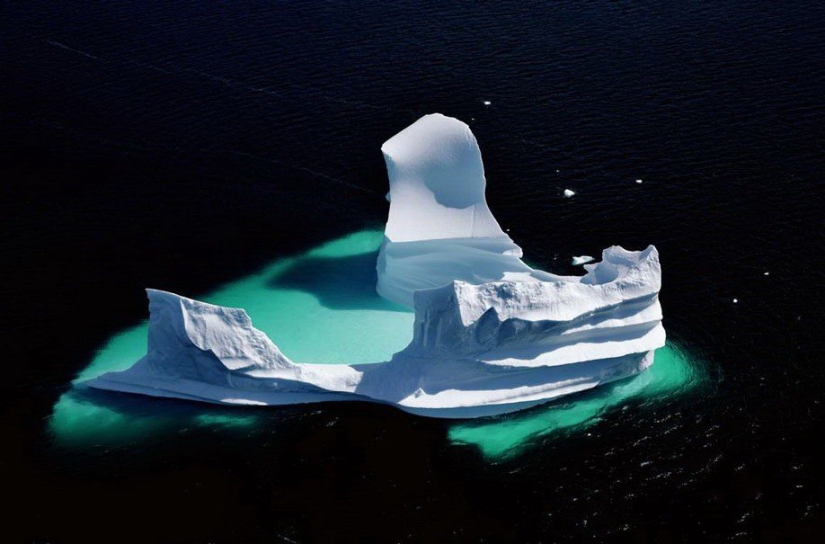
[(491, 335)]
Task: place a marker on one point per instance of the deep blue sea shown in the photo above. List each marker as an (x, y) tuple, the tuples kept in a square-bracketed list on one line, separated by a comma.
[(185, 145)]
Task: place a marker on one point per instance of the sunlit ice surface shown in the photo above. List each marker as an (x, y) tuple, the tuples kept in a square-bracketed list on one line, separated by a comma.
[(331, 287)]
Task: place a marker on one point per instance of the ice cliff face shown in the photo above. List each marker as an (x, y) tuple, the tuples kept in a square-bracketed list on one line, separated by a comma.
[(492, 335), (561, 321)]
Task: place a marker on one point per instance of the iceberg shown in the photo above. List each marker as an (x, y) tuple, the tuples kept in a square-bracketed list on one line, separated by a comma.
[(491, 335), (581, 259)]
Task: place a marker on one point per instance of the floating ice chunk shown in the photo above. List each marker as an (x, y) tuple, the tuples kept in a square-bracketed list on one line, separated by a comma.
[(487, 102), (576, 261), (568, 193), (639, 181), (491, 335)]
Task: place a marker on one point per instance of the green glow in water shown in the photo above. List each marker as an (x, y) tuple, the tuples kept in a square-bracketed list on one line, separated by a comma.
[(671, 373), (119, 353), (318, 307), (321, 307), (82, 418)]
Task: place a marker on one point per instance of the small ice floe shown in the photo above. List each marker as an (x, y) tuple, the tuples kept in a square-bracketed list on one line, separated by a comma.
[(582, 259), (487, 102), (568, 193), (767, 273), (735, 300), (639, 181)]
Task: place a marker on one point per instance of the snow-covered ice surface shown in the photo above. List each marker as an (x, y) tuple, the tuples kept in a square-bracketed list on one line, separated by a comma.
[(491, 335)]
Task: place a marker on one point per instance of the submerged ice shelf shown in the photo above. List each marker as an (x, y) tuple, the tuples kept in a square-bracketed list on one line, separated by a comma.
[(490, 335)]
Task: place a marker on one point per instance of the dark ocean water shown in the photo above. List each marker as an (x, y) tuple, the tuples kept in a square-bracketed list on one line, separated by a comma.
[(182, 145)]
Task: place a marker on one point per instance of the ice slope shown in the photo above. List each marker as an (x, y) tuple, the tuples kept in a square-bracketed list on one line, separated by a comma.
[(491, 335)]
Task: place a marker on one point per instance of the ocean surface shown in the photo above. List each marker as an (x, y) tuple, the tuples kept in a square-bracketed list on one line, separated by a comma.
[(230, 151)]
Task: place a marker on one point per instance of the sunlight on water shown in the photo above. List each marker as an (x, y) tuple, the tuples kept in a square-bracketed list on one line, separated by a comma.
[(671, 373), (321, 307)]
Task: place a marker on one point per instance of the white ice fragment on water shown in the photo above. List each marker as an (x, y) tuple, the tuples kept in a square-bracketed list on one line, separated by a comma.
[(582, 260), (487, 102), (638, 181), (735, 300), (568, 193), (491, 334), (767, 273)]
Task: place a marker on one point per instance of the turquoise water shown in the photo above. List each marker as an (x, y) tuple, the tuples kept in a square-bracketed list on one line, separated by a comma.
[(672, 373), (318, 307), (321, 307)]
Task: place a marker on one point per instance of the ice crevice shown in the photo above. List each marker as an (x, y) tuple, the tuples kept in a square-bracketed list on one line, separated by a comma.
[(491, 334)]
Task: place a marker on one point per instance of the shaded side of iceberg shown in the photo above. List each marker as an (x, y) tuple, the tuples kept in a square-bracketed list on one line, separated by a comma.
[(491, 334)]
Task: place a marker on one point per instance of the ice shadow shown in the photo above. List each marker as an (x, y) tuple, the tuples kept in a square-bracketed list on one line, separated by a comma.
[(339, 283), (84, 416)]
